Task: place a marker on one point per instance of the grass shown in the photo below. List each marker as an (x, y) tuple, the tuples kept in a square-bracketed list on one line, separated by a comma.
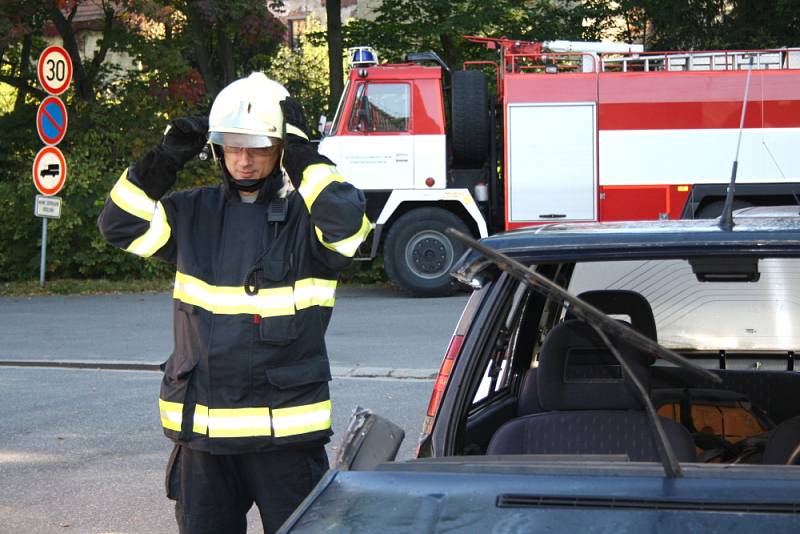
[(70, 286)]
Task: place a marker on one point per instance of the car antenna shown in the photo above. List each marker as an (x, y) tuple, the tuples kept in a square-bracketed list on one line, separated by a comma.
[(603, 324), (726, 219)]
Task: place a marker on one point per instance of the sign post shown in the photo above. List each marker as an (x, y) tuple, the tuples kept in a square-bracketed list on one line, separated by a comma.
[(43, 252), (49, 166)]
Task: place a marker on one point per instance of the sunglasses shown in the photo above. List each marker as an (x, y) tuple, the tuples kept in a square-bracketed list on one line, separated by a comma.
[(259, 151)]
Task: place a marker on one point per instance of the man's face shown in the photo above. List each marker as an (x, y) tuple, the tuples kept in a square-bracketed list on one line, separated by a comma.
[(251, 163)]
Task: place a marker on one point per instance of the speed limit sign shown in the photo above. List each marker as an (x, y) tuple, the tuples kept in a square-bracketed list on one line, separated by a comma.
[(55, 70)]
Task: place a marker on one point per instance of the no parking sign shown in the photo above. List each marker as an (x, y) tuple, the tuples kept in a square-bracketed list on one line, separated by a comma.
[(51, 120)]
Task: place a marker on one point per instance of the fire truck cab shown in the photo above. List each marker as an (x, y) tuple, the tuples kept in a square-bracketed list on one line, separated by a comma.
[(576, 132)]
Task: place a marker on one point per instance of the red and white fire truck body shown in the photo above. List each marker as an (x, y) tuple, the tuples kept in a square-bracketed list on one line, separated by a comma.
[(579, 131)]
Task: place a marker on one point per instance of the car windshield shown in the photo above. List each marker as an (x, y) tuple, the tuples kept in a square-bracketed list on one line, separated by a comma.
[(694, 315)]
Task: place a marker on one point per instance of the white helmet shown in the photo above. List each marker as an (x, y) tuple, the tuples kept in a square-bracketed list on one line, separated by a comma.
[(247, 113)]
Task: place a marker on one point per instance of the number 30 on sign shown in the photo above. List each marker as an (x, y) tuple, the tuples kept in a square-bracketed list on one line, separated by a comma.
[(54, 70)]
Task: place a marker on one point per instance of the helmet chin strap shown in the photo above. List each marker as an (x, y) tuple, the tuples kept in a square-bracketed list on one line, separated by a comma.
[(248, 186)]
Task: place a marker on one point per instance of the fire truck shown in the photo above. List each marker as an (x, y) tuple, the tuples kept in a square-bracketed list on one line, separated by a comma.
[(575, 132)]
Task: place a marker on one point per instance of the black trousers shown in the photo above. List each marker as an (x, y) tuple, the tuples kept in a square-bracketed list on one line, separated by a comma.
[(213, 493)]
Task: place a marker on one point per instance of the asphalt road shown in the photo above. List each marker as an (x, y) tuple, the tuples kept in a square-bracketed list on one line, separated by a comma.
[(371, 327), (81, 450)]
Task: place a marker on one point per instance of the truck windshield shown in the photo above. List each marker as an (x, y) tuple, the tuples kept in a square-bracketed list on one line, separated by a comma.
[(693, 315)]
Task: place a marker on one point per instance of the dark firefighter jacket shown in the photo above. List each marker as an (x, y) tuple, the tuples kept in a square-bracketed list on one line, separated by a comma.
[(248, 372)]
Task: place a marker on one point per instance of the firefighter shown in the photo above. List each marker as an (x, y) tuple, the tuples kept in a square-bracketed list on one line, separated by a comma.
[(245, 393)]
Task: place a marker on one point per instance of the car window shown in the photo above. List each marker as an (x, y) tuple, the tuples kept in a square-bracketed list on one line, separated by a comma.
[(496, 374), (693, 315), (381, 107)]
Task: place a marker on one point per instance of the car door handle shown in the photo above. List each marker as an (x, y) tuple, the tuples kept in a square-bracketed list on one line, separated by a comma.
[(552, 215)]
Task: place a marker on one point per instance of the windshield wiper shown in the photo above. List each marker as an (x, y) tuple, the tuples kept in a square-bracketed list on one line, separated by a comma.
[(603, 325)]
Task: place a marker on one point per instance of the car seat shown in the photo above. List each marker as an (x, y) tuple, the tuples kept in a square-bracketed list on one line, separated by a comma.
[(590, 407), (611, 301), (782, 442)]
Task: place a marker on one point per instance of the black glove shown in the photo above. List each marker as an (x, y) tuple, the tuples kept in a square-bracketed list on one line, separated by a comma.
[(298, 151), (157, 170), (184, 139)]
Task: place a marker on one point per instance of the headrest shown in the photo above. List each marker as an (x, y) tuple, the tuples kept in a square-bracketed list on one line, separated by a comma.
[(623, 302), (578, 372)]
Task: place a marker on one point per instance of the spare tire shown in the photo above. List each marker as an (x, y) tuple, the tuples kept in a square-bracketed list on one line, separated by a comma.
[(469, 118)]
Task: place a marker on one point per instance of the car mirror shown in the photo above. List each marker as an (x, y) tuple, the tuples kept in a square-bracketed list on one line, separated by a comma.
[(370, 440)]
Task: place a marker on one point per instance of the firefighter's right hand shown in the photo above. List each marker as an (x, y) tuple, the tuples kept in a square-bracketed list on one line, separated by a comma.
[(184, 138)]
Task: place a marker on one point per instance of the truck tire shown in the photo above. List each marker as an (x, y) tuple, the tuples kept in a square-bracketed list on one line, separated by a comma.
[(469, 118), (418, 255)]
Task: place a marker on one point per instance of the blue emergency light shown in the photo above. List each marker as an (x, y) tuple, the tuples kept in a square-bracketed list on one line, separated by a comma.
[(363, 56)]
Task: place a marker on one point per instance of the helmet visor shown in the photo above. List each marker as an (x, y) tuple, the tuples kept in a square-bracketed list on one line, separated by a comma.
[(241, 140)]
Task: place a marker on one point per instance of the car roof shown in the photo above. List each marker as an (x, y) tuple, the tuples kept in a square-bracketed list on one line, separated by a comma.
[(757, 236)]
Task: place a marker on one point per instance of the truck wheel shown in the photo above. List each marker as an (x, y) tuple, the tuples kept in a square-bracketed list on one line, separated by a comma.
[(470, 117), (418, 255), (714, 209)]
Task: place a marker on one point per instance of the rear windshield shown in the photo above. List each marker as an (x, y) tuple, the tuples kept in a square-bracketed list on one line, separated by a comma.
[(693, 315)]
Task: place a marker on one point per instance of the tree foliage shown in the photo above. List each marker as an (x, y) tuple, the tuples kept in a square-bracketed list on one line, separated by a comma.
[(406, 26), (697, 24)]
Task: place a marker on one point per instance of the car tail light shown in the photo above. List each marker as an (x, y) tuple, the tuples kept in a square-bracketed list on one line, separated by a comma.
[(444, 374), (453, 350)]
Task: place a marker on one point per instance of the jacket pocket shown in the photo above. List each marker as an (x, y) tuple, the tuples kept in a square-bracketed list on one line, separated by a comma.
[(274, 270), (280, 330), (301, 373)]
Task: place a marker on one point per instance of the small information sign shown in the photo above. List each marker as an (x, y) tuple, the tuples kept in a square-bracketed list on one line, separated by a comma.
[(49, 207)]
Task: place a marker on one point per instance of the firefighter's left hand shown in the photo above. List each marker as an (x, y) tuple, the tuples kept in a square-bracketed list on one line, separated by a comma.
[(298, 151)]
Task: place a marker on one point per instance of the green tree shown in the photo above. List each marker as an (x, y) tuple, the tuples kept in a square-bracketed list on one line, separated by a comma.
[(304, 72), (407, 26), (697, 24)]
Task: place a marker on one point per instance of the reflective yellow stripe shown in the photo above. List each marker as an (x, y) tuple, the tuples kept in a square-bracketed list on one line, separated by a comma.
[(155, 237), (292, 129), (171, 414), (249, 422), (348, 246), (315, 179), (238, 422), (314, 292), (132, 199), (229, 300), (200, 422), (301, 419)]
